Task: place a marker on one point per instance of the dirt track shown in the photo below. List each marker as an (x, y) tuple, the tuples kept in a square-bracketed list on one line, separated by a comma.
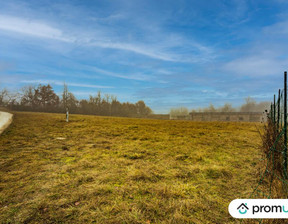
[(5, 120)]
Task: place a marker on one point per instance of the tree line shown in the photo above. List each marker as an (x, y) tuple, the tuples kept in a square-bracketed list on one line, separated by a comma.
[(250, 105), (42, 98)]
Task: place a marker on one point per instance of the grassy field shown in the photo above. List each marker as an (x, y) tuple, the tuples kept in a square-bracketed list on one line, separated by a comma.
[(121, 170)]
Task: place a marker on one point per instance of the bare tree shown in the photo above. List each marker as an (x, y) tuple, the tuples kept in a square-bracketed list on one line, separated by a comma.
[(3, 97), (211, 108), (249, 106), (181, 111), (28, 97), (227, 108), (65, 97)]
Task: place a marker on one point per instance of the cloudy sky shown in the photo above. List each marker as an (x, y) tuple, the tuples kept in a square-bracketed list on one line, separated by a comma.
[(168, 53)]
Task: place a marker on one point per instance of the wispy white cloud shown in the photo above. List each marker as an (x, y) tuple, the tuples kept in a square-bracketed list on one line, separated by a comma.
[(59, 83), (138, 49), (29, 27), (256, 65), (158, 51), (265, 55), (137, 76), (280, 28), (108, 19)]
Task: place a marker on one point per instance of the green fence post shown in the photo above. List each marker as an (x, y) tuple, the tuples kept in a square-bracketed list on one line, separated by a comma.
[(278, 110), (271, 112), (274, 110), (285, 124)]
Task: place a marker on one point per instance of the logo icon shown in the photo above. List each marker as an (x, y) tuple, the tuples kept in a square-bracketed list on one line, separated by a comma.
[(243, 208)]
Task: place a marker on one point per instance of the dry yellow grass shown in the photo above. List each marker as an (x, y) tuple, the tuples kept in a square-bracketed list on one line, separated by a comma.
[(121, 170)]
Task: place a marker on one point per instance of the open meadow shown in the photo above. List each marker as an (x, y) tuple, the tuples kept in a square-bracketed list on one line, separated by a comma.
[(123, 170)]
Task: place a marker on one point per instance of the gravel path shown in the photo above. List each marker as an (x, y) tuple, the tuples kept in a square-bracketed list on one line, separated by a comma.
[(5, 120)]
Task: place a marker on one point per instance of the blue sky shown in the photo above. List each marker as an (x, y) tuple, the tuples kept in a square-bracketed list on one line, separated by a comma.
[(167, 53)]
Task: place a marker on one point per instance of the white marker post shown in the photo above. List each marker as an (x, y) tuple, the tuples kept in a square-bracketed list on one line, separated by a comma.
[(67, 115)]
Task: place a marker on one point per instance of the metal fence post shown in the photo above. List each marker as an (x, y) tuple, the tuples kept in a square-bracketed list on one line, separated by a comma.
[(278, 110), (271, 112), (274, 110), (285, 125)]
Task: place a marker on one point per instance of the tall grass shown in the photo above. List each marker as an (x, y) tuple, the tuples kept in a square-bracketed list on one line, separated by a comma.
[(272, 182), (273, 148)]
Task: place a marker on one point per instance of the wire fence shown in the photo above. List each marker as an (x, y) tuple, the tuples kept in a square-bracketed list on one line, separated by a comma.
[(273, 181)]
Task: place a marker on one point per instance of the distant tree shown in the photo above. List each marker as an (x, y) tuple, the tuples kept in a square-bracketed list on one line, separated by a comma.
[(69, 100), (28, 98), (43, 98), (98, 102), (46, 99), (115, 106), (84, 107), (148, 111), (10, 99), (181, 111), (72, 103), (142, 109), (227, 108), (65, 97), (211, 108), (262, 106), (128, 109), (3, 97), (249, 106)]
